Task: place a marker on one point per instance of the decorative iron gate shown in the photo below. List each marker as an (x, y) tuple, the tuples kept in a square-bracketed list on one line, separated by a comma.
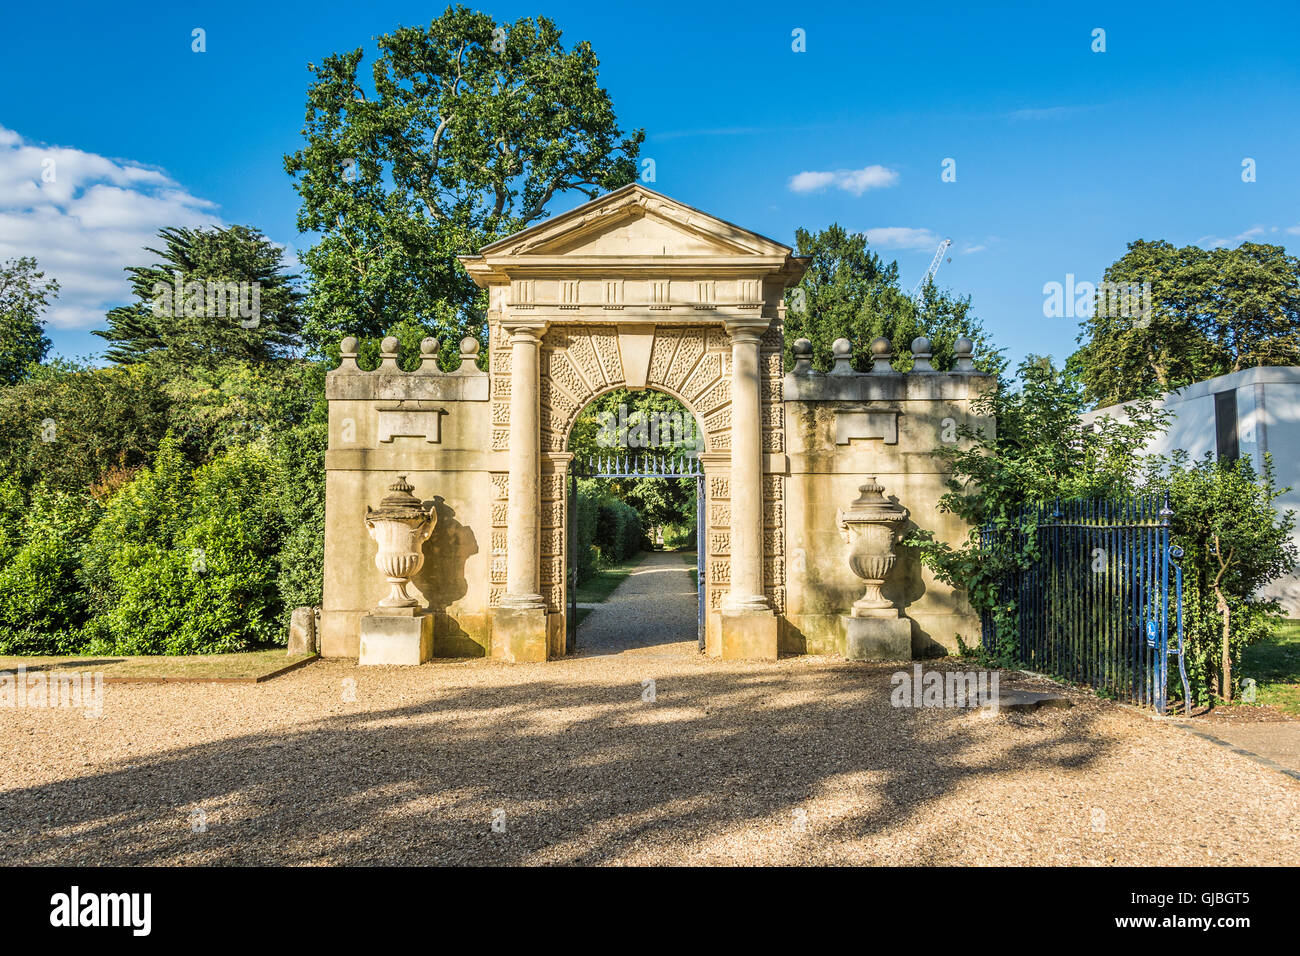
[(646, 465), (1088, 588)]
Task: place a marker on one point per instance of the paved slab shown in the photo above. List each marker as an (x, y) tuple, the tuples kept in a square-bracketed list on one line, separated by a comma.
[(654, 609), (1274, 743)]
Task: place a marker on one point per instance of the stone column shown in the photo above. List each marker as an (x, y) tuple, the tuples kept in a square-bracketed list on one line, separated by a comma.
[(522, 589), (519, 626), (557, 464), (749, 627), (746, 590)]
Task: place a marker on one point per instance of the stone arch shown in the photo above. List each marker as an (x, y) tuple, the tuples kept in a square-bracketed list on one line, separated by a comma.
[(580, 363), (564, 438)]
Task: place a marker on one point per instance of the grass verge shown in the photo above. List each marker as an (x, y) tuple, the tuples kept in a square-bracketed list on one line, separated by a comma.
[(249, 666), (1275, 665)]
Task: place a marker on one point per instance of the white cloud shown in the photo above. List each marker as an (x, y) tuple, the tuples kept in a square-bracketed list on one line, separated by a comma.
[(903, 237), (856, 181), (808, 182), (93, 217), (1249, 235)]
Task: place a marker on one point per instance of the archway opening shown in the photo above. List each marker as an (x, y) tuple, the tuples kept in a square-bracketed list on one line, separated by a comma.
[(635, 528)]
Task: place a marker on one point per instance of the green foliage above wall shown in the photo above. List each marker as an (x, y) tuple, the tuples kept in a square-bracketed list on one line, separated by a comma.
[(1212, 312), (849, 292)]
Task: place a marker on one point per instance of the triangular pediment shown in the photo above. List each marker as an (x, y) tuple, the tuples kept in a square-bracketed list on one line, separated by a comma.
[(635, 222)]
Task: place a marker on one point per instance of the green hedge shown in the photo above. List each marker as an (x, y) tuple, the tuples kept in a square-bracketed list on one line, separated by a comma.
[(300, 504), (184, 561), (179, 560), (606, 530), (42, 606), (584, 529), (619, 534)]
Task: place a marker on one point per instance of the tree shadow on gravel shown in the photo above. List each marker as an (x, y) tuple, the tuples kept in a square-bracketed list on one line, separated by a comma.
[(586, 773)]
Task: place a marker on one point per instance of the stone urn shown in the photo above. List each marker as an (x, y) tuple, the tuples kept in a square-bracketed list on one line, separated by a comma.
[(870, 526), (400, 526)]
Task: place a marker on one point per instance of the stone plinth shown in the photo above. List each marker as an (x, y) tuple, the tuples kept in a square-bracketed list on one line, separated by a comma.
[(749, 635), (302, 631), (877, 638), (519, 634), (397, 636)]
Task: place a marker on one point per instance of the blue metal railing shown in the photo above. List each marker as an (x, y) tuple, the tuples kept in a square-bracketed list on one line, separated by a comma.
[(1087, 585)]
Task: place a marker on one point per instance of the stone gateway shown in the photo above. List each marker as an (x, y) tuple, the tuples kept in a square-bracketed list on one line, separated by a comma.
[(635, 290)]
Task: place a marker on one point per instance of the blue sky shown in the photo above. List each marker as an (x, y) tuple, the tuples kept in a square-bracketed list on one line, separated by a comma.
[(1062, 155)]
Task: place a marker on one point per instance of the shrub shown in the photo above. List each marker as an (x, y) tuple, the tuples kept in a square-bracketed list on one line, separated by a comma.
[(605, 530), (584, 528), (680, 537), (68, 425), (300, 504), (184, 562), (1234, 543), (42, 609)]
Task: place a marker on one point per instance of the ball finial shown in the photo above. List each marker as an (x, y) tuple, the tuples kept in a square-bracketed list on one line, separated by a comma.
[(842, 354), (964, 349), (921, 355)]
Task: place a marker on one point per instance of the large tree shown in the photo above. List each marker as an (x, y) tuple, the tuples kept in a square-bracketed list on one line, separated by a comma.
[(467, 132), (24, 294), (1211, 312), (848, 291), (214, 295)]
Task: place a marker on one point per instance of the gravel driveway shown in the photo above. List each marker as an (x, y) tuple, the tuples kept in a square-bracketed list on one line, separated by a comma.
[(654, 606), (799, 762)]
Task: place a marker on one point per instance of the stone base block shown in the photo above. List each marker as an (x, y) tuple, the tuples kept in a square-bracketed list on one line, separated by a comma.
[(519, 634), (749, 635), (302, 631), (877, 638), (396, 639)]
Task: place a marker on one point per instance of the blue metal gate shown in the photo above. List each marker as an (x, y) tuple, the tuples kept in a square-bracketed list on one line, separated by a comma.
[(647, 465), (1088, 589)]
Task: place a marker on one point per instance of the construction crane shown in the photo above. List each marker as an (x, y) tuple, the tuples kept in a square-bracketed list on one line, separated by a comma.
[(934, 267)]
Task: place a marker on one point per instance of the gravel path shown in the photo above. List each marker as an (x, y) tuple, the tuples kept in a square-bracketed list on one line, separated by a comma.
[(799, 762), (655, 607)]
